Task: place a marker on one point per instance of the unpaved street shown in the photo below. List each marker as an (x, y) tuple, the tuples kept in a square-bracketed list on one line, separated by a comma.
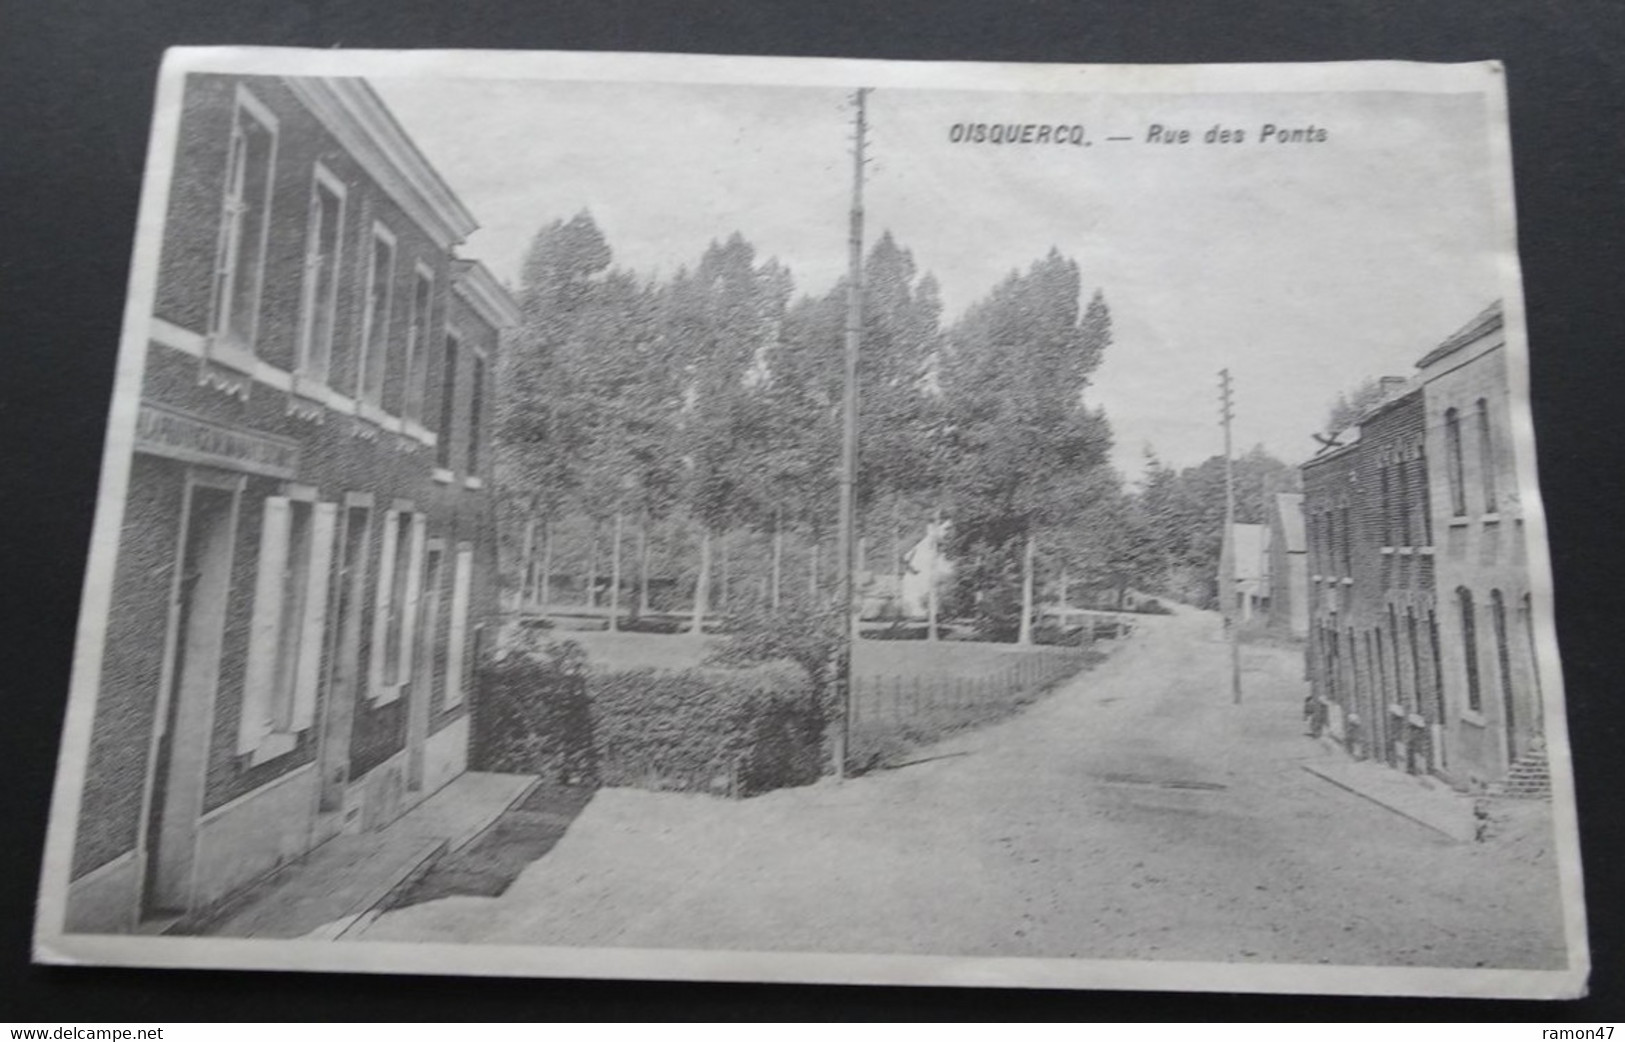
[(1136, 813)]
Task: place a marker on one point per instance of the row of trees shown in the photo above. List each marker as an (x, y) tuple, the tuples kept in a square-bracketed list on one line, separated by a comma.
[(685, 432), (711, 400)]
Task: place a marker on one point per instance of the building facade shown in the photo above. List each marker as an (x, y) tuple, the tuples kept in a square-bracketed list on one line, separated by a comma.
[(1242, 582), (306, 562), (1286, 566), (1374, 663), (1421, 631), (1492, 684)]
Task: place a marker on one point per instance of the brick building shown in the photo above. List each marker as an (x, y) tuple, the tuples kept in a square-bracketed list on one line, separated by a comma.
[(1374, 663), (306, 560), (1491, 682), (1421, 642)]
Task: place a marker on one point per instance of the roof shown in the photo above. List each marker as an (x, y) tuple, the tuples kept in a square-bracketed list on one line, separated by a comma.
[(1289, 519), (474, 282), (1484, 323), (354, 114)]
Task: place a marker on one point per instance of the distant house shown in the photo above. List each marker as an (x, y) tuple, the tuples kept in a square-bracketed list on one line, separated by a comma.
[(1244, 591), (1287, 565)]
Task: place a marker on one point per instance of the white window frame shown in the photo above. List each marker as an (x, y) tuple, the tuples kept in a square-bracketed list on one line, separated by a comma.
[(276, 706), (221, 344), (390, 600), (309, 335), (447, 420), (418, 328), (476, 452), (462, 581), (365, 392)]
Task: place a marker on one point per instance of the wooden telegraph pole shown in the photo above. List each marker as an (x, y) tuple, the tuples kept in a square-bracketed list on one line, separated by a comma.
[(1228, 605), (849, 438)]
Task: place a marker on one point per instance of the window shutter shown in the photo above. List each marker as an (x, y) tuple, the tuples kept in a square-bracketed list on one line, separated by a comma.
[(314, 625), (264, 628), (380, 608), (459, 626), (411, 596)]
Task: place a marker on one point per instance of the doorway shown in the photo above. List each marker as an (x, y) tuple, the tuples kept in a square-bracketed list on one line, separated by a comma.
[(338, 715), (423, 673), (197, 611)]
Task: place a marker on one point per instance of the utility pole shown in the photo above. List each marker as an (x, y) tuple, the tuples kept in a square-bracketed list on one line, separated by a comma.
[(1227, 413), (849, 438)]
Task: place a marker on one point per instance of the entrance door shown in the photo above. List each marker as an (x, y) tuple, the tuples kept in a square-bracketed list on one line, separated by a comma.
[(197, 621), (423, 672), (338, 715)]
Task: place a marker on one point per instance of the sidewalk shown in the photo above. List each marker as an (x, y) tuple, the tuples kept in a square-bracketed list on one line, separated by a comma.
[(342, 884), (1427, 801)]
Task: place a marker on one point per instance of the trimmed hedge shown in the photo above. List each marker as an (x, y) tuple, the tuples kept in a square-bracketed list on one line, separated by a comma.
[(533, 715), (736, 731), (733, 731)]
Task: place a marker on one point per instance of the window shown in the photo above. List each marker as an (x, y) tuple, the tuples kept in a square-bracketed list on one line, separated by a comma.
[(1469, 646), (1420, 483), (289, 619), (324, 239), (1387, 505), (448, 401), (1486, 456), (1401, 695), (417, 343), (378, 298), (1401, 475), (399, 572), (1527, 613), (1453, 467), (239, 267), (458, 661), (1343, 541), (476, 412), (1503, 662), (429, 646)]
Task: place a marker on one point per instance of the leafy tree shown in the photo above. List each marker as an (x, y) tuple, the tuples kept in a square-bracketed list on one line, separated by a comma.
[(1023, 441), (1350, 406)]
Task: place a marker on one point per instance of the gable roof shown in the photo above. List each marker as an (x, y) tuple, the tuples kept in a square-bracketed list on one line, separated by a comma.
[(1288, 519), (1484, 323)]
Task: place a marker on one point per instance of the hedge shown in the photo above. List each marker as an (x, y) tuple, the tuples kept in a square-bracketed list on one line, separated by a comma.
[(734, 731)]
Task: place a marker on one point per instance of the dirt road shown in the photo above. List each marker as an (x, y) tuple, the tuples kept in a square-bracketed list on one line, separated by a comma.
[(1136, 813)]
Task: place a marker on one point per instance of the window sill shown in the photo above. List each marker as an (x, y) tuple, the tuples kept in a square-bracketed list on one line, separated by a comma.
[(1460, 521), (372, 414), (1346, 581), (1468, 716), (1489, 519), (1425, 551), (312, 388), (444, 476), (1416, 720), (273, 746), (1386, 550), (384, 694), (473, 484), (231, 354)]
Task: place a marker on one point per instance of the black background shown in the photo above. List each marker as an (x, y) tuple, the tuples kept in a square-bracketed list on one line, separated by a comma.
[(76, 85)]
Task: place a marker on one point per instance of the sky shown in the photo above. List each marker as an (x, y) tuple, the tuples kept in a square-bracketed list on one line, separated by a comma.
[(1303, 268)]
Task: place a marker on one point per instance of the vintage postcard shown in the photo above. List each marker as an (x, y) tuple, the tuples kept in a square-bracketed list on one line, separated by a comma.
[(816, 520)]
